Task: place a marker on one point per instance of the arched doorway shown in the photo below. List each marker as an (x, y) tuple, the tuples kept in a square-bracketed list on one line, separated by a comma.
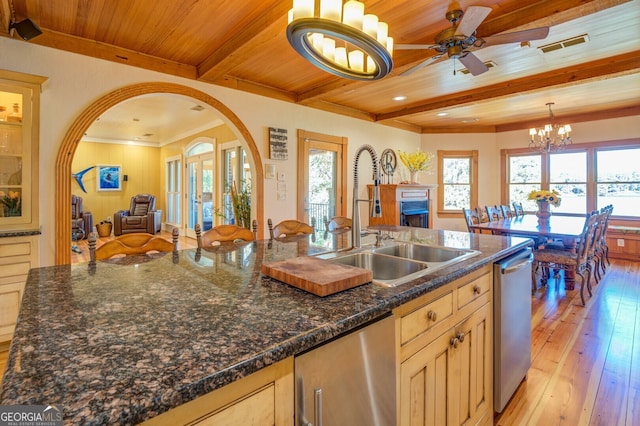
[(88, 116)]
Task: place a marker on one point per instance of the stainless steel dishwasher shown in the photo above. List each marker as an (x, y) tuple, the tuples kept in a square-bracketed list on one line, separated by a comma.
[(512, 325), (350, 380)]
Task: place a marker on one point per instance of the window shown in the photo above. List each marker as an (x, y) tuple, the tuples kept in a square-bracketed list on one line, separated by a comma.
[(457, 181), (588, 177), (173, 185), (618, 180)]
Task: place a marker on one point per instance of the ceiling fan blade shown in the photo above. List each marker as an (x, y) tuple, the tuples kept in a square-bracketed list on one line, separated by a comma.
[(414, 46), (473, 16), (473, 64), (518, 36), (422, 64)]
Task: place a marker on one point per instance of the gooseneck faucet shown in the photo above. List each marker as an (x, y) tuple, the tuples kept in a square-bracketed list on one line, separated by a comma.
[(376, 210)]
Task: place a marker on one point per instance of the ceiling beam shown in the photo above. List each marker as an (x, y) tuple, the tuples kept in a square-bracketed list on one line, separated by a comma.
[(604, 68), (545, 13), (261, 31), (5, 16), (111, 53)]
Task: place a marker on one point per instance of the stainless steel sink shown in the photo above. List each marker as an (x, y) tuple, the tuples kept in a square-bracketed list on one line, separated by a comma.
[(384, 268), (400, 262), (423, 253)]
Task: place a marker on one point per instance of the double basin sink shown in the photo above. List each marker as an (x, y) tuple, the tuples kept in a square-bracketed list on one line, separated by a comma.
[(399, 262)]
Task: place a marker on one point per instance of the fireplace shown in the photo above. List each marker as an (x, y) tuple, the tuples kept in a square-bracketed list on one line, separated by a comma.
[(414, 213)]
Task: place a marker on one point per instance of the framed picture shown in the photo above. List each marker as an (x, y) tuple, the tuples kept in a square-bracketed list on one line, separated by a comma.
[(109, 178), (278, 144)]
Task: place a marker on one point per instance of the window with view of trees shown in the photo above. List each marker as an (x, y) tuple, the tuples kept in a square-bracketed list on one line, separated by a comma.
[(618, 180), (588, 177), (457, 180)]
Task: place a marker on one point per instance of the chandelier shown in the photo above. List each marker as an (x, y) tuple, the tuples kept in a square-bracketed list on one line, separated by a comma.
[(552, 137), (341, 40)]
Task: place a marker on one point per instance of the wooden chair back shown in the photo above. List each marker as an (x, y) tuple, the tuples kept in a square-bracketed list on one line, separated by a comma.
[(288, 228), (493, 213), (471, 218), (138, 243), (225, 233), (337, 223), (517, 209), (506, 211)]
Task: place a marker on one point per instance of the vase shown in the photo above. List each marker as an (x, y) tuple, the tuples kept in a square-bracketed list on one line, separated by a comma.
[(543, 212), (413, 177)]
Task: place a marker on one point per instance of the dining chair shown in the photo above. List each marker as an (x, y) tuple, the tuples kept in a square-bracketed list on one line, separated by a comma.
[(482, 214), (471, 218), (518, 209), (546, 259), (290, 227), (603, 248), (132, 244), (225, 233), (493, 213), (507, 212)]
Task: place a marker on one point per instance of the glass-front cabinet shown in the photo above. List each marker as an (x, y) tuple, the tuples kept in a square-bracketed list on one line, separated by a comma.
[(18, 150)]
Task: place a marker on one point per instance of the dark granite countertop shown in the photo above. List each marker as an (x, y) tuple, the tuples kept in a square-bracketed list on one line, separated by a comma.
[(121, 343)]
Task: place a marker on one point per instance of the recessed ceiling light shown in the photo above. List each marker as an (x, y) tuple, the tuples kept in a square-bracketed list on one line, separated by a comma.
[(470, 120), (442, 114), (399, 98)]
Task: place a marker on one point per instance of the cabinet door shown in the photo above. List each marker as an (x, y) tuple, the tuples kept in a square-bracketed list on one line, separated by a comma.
[(449, 381)]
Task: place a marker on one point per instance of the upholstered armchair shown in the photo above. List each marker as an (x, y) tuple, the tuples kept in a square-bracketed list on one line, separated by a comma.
[(142, 216), (81, 221)]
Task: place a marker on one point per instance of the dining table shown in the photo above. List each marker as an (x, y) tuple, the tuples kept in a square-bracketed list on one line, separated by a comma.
[(557, 227)]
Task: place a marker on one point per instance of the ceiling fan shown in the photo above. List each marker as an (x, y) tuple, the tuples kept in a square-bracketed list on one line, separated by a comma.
[(458, 40)]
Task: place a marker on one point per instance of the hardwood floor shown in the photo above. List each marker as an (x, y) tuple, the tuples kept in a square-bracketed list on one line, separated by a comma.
[(585, 360), (83, 247)]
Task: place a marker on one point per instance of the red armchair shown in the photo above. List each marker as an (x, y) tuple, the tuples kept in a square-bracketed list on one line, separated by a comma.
[(142, 216)]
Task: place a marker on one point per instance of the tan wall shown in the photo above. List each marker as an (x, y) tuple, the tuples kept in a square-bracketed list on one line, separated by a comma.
[(140, 163), (144, 166)]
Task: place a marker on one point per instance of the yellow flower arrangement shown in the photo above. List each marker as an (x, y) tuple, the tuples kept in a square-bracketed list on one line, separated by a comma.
[(416, 161), (552, 197)]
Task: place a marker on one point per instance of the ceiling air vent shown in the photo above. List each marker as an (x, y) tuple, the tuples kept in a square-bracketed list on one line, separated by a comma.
[(488, 64), (564, 43)]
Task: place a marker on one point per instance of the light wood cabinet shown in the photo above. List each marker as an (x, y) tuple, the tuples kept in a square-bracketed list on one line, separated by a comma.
[(446, 354), (17, 256), (262, 398)]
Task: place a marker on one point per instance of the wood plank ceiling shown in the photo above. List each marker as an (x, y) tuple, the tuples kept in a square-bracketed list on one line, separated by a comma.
[(242, 45)]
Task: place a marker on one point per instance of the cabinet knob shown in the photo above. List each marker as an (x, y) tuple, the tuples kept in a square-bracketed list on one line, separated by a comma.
[(460, 337), (455, 342), (432, 316), (476, 289)]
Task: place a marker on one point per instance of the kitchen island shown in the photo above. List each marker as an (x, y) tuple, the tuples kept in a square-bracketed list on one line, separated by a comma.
[(121, 343)]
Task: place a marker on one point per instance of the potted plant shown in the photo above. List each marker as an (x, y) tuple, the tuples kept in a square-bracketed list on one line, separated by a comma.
[(241, 202)]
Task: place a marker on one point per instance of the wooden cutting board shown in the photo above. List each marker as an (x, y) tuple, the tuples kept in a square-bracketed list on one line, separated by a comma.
[(317, 276)]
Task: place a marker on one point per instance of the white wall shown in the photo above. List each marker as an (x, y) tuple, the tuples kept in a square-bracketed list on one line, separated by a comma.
[(75, 81)]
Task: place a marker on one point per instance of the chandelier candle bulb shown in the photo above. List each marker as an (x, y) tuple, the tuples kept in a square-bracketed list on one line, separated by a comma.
[(383, 32), (303, 9), (370, 25), (331, 9), (356, 60), (353, 14), (341, 57), (329, 48)]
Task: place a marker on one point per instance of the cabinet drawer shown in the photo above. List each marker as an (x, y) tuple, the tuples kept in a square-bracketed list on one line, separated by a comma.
[(15, 249), (473, 290), (424, 318)]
